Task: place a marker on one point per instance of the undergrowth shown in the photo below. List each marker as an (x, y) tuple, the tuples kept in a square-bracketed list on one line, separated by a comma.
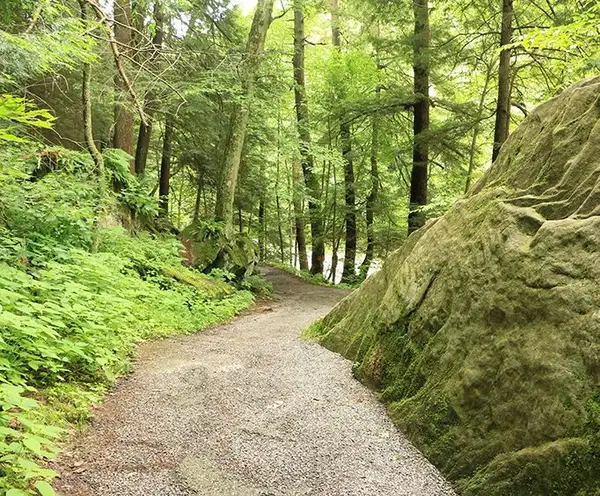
[(74, 300)]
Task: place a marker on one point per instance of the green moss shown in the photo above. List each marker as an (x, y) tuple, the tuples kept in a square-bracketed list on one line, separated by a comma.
[(566, 466), (314, 331)]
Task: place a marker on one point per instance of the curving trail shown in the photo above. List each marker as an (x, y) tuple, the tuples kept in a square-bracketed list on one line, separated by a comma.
[(246, 409)]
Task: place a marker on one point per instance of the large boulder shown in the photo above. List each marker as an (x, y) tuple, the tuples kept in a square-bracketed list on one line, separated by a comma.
[(483, 331)]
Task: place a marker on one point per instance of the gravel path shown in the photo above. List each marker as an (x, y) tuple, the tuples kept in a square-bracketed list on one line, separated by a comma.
[(246, 409)]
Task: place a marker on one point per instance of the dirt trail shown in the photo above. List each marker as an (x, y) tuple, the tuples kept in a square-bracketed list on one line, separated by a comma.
[(246, 409)]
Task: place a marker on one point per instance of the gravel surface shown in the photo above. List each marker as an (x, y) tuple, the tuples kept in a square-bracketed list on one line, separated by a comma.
[(246, 409)]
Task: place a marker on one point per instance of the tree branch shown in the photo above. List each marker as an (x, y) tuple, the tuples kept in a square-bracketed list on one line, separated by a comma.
[(119, 63)]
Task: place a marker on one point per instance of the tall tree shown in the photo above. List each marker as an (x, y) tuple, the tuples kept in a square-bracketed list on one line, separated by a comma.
[(421, 65), (165, 168), (307, 158), (299, 214), (86, 100), (349, 269), (348, 272), (502, 126), (150, 98), (371, 199), (123, 119), (239, 114)]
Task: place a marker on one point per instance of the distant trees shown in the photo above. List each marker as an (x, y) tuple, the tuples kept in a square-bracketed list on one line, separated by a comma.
[(239, 114), (385, 123)]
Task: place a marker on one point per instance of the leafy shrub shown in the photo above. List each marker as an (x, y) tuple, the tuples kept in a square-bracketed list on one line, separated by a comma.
[(131, 191), (259, 286), (69, 318), (208, 247)]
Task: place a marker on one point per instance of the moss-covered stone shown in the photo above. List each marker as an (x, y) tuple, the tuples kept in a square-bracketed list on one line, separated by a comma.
[(207, 247), (483, 331)]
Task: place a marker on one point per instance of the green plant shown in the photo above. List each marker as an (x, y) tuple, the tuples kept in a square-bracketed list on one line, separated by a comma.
[(258, 285), (16, 111), (69, 317)]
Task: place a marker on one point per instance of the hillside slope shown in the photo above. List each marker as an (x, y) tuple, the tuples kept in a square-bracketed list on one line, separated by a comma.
[(75, 299)]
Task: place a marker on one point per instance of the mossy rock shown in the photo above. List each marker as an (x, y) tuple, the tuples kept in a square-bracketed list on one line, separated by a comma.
[(483, 331), (212, 287), (207, 247)]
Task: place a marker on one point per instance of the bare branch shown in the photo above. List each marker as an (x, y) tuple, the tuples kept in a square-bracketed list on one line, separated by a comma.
[(119, 63)]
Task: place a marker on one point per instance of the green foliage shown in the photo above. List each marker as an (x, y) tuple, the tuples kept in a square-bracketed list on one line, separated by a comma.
[(131, 190), (257, 285), (69, 318), (41, 217), (15, 110), (208, 246), (59, 43)]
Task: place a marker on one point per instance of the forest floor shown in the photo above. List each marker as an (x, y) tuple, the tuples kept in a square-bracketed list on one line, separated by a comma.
[(246, 409)]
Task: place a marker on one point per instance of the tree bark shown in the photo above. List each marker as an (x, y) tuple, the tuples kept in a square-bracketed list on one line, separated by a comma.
[(86, 99), (371, 199), (418, 181), (277, 202), (299, 214), (239, 115), (165, 168), (261, 229), (123, 126), (199, 191), (334, 240), (501, 128), (307, 158), (349, 270), (335, 24), (281, 243), (150, 99)]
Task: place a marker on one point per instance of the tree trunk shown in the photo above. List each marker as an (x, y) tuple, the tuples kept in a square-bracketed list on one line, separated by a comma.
[(371, 200), (349, 270), (281, 243), (299, 214), (334, 241), (501, 127), (261, 229), (199, 191), (277, 182), (239, 115), (165, 169), (418, 180), (86, 100), (307, 158), (150, 99), (335, 24), (123, 128)]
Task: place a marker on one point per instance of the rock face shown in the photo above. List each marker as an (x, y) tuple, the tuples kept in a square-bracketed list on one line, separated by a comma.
[(483, 331)]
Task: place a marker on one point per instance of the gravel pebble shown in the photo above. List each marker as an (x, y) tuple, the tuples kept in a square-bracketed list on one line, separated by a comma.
[(247, 409)]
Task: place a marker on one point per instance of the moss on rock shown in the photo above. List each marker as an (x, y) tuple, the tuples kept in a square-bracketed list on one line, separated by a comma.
[(483, 331)]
